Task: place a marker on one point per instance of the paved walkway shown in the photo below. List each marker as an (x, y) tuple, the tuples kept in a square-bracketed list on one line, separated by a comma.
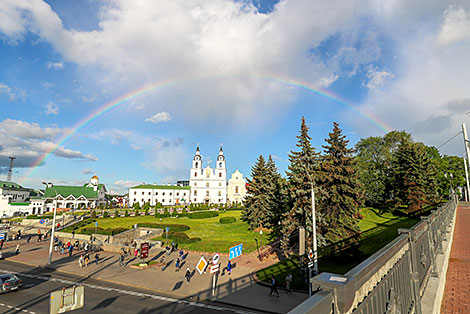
[(457, 290), (239, 288)]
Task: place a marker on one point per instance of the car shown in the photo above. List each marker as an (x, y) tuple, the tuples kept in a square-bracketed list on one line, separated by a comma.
[(9, 282)]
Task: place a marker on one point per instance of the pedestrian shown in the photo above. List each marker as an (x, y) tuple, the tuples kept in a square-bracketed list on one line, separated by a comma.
[(39, 235), (19, 234), (289, 283), (91, 238), (229, 267), (70, 250), (136, 252), (87, 258), (73, 234), (17, 251), (1, 244), (181, 254), (62, 249), (121, 260), (97, 258), (167, 249), (80, 261), (28, 239), (176, 246), (86, 248), (172, 246), (273, 287), (187, 275), (177, 264), (1, 255)]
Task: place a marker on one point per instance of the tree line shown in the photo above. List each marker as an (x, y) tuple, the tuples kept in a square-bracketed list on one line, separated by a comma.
[(390, 172)]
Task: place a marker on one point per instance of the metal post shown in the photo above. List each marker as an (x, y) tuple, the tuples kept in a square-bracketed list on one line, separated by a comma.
[(466, 177), (465, 141), (52, 235), (314, 222)]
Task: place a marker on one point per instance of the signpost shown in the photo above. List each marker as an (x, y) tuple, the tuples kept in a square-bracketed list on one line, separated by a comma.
[(167, 229), (41, 221), (3, 236), (236, 251), (144, 250), (201, 265), (215, 259), (67, 299), (96, 226), (215, 268)]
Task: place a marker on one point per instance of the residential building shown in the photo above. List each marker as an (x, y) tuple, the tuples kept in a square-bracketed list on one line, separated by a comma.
[(164, 194), (236, 188)]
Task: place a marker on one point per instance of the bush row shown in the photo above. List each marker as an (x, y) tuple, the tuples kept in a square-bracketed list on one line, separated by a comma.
[(172, 227), (227, 220), (109, 231), (202, 215), (182, 238)]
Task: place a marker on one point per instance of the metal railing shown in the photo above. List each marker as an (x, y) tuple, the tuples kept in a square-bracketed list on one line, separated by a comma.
[(393, 279)]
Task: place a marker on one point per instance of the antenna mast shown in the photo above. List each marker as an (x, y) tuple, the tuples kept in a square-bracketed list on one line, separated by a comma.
[(10, 170)]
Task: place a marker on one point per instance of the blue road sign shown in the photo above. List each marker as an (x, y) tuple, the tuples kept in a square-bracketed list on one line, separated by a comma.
[(3, 236), (96, 224), (167, 229), (235, 251), (41, 221)]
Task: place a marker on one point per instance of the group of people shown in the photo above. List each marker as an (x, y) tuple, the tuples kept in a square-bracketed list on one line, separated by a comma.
[(287, 282), (84, 259)]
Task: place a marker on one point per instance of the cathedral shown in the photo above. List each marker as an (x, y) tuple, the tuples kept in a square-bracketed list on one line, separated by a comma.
[(208, 185)]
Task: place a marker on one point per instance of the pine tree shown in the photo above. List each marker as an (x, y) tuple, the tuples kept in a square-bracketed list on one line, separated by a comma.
[(301, 174), (341, 193), (260, 194), (280, 196)]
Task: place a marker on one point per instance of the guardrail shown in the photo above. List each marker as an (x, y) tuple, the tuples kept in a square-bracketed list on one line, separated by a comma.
[(393, 279)]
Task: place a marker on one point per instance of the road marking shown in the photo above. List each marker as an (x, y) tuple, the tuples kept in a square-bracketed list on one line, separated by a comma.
[(134, 293)]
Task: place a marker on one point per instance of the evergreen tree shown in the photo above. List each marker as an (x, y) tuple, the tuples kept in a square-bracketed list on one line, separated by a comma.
[(301, 174), (136, 205), (259, 202), (279, 196), (341, 193)]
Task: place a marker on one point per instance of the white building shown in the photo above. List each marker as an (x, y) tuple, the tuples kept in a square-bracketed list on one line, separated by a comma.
[(164, 194), (14, 199), (236, 188), (208, 185)]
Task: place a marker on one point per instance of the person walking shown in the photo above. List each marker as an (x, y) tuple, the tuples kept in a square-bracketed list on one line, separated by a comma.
[(70, 250), (87, 257), (17, 251), (1, 244), (229, 267), (289, 283), (39, 235), (97, 258), (28, 239), (121, 260), (136, 252), (273, 287), (80, 261), (177, 264), (187, 275)]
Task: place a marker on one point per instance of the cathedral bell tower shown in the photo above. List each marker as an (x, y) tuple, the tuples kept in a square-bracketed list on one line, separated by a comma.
[(197, 160), (221, 159)]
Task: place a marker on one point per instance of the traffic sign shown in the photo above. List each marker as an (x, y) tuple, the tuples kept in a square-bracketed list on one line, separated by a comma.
[(215, 259), (144, 250), (215, 268), (310, 255), (167, 229), (41, 221), (3, 236), (201, 265), (96, 224), (310, 264), (235, 251)]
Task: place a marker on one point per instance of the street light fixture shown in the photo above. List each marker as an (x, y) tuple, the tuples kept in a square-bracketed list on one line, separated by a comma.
[(314, 236), (53, 221)]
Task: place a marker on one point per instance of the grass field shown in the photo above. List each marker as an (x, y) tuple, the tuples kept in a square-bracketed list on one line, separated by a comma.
[(215, 237), (377, 230)]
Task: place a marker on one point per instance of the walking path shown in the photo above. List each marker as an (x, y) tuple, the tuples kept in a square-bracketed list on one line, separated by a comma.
[(240, 288), (457, 290)]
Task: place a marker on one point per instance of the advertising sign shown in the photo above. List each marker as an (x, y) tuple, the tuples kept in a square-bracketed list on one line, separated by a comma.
[(144, 250)]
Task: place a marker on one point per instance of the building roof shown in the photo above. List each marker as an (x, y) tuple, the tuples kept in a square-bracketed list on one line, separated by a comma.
[(20, 204), (66, 190), (9, 184), (161, 187)]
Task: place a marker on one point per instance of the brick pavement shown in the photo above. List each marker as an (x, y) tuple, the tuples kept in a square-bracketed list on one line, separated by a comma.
[(457, 290), (239, 289)]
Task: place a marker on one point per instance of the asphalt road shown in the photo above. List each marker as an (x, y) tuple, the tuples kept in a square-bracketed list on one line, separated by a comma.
[(100, 297)]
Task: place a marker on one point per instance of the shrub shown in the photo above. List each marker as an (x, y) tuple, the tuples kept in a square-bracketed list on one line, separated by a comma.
[(146, 213), (202, 215), (137, 205), (136, 213), (184, 212), (93, 214), (105, 214), (227, 220), (126, 213), (182, 238), (172, 227)]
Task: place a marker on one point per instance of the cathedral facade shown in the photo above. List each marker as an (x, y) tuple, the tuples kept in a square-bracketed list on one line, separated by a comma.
[(208, 185)]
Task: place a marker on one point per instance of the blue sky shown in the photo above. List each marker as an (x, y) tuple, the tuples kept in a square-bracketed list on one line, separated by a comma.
[(235, 68)]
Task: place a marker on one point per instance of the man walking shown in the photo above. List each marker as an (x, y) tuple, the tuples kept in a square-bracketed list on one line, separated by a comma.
[(273, 287), (17, 251), (121, 260), (28, 239), (289, 283), (187, 275), (229, 267)]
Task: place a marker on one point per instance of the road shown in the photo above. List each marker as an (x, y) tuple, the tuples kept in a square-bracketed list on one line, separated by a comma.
[(100, 297)]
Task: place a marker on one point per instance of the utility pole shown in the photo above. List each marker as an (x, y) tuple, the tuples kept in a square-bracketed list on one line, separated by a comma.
[(10, 170), (466, 176), (465, 141)]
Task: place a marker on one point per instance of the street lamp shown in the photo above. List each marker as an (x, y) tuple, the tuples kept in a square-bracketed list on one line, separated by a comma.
[(314, 237), (450, 182), (53, 221)]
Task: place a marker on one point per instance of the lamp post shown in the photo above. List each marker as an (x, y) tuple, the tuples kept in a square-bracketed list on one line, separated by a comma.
[(53, 222), (314, 238), (467, 152)]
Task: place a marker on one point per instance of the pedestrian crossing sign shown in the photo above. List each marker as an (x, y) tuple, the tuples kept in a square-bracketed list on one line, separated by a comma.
[(201, 265)]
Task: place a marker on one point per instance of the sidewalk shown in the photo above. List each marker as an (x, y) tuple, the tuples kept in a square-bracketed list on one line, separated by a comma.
[(457, 289), (239, 288)]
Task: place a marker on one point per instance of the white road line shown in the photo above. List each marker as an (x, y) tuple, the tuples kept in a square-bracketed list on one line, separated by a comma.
[(133, 293), (16, 308)]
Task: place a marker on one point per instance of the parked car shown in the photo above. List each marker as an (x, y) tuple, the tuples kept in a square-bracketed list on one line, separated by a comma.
[(9, 282)]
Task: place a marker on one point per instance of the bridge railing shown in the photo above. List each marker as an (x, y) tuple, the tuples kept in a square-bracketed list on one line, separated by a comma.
[(393, 279)]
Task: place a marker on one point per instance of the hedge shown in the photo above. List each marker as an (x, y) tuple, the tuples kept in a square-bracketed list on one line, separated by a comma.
[(172, 227), (40, 216), (227, 220), (182, 238), (202, 215), (78, 225), (110, 231)]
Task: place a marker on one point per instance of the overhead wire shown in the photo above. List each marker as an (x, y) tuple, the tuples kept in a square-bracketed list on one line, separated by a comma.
[(458, 133)]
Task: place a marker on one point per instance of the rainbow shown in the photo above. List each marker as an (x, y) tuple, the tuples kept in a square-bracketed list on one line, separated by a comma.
[(99, 112)]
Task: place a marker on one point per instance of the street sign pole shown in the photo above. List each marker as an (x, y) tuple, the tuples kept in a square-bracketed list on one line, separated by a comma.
[(166, 243)]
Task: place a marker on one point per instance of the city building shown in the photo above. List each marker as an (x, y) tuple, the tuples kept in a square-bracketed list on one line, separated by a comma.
[(14, 199), (164, 194), (90, 195), (236, 188), (208, 185)]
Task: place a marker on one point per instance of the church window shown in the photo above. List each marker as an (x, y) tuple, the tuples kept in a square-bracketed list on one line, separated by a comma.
[(195, 199), (163, 201), (236, 178), (236, 189), (220, 184), (207, 193), (135, 192), (195, 193), (220, 174), (207, 184), (208, 173), (156, 193), (220, 193), (142, 193), (170, 193), (134, 200), (220, 164), (195, 183), (177, 194), (184, 194), (195, 174), (163, 193), (149, 193), (196, 164)]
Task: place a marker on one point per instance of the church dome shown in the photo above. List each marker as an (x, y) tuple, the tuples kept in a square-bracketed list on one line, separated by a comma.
[(95, 177)]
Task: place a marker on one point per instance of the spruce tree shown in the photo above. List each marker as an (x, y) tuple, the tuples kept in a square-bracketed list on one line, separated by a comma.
[(260, 194), (279, 194), (302, 172), (341, 193)]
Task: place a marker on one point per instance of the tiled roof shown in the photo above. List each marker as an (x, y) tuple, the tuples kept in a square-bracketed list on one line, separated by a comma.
[(161, 187)]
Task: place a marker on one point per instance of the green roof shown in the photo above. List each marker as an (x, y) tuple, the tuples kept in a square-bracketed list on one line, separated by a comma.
[(9, 184), (66, 190), (161, 187), (19, 204)]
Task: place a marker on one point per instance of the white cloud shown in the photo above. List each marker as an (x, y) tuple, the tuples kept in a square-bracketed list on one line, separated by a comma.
[(135, 146), (29, 130), (55, 65), (6, 90), (159, 117), (51, 108), (115, 136), (376, 78), (47, 85), (126, 183), (455, 27), (87, 171)]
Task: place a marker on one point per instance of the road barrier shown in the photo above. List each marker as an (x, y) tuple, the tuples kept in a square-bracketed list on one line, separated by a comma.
[(392, 280)]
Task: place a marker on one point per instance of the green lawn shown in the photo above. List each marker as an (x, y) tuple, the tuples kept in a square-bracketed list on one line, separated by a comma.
[(215, 237), (377, 230)]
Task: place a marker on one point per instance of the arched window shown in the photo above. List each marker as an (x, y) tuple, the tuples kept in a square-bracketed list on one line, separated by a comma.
[(196, 164), (220, 174), (195, 192), (220, 193), (220, 164), (207, 184), (195, 174), (207, 193), (236, 189)]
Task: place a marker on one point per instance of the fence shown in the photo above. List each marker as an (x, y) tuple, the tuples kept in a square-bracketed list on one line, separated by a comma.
[(393, 279)]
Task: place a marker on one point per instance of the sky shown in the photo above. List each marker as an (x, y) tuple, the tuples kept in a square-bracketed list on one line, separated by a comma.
[(128, 89)]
